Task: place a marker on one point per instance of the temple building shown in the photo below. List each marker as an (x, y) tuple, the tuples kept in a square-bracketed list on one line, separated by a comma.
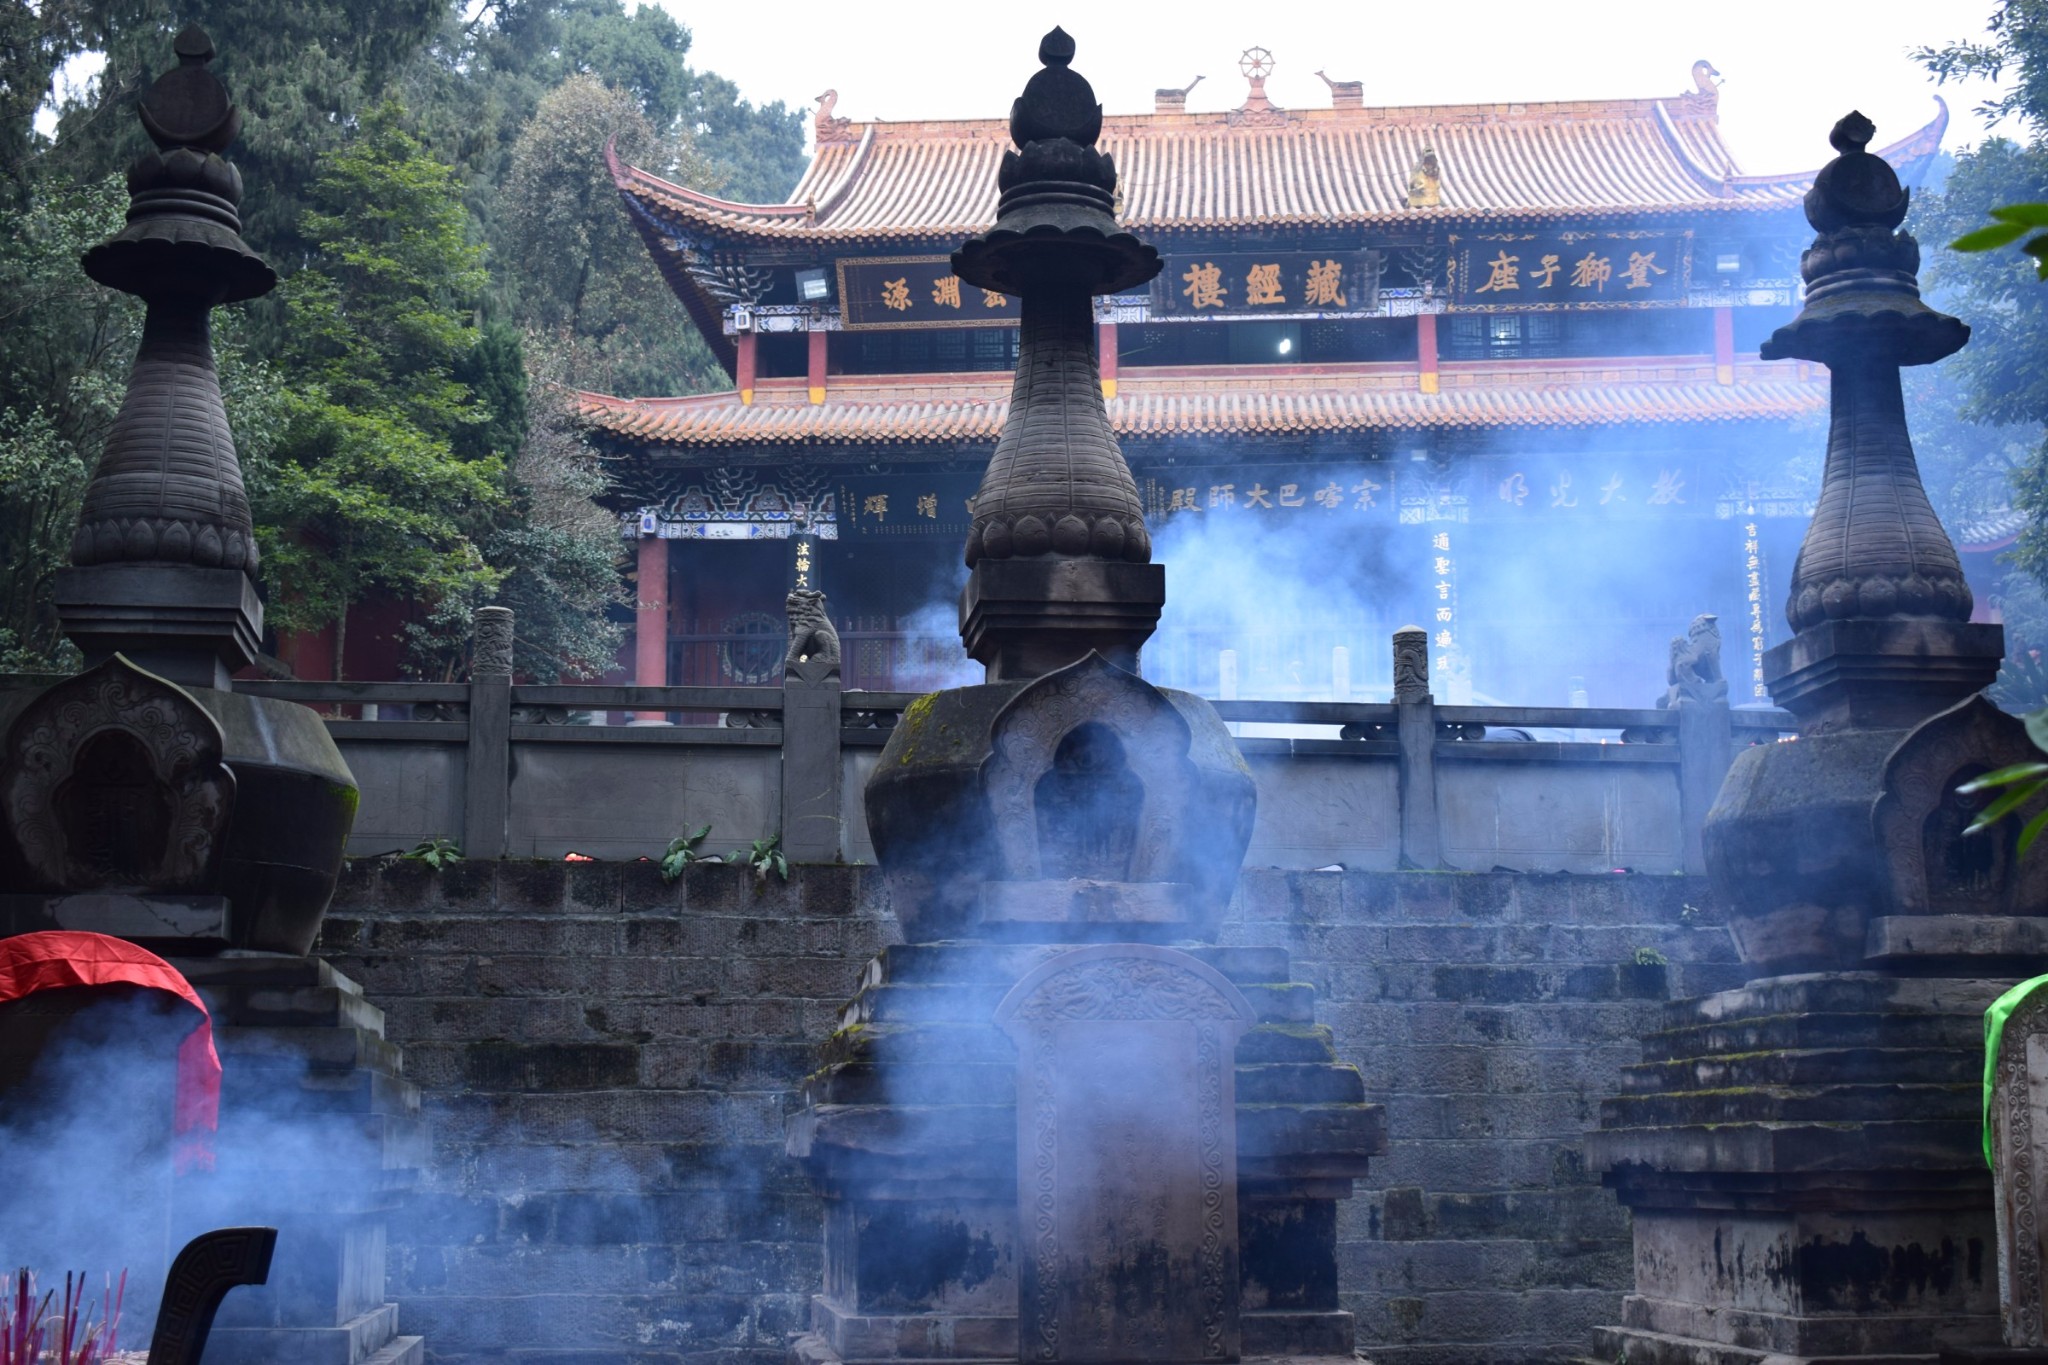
[(1488, 368)]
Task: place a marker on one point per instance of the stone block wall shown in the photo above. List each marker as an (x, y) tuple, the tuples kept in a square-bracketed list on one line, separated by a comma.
[(605, 1061), (1490, 1014)]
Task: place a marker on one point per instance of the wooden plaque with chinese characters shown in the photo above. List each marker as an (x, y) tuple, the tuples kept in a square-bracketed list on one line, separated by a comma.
[(1534, 271), (1281, 283), (1127, 1157), (881, 292)]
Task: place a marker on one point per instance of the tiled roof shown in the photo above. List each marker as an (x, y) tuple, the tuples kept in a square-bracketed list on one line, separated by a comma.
[(901, 182), (957, 408)]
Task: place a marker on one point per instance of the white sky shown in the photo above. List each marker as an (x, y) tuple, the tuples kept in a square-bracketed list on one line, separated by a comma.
[(1790, 70)]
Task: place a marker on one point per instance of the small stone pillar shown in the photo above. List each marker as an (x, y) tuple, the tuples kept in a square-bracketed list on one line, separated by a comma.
[(1421, 836), (487, 764), (812, 778)]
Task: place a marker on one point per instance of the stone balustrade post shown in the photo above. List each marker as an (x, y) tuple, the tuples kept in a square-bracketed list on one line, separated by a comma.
[(812, 774), (487, 792), (1706, 750), (1421, 842)]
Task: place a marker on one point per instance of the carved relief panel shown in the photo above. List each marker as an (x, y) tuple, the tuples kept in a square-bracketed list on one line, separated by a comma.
[(1127, 1157)]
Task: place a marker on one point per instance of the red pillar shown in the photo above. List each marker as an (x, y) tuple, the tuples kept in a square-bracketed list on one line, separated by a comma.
[(816, 368), (1106, 348), (650, 627), (1724, 345), (744, 343), (1425, 350)]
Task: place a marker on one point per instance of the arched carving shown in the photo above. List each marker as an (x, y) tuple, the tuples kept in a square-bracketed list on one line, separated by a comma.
[(1027, 736), (114, 778), (1919, 817)]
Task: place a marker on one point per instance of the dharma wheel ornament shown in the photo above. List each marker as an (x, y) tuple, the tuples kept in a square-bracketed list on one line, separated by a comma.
[(1058, 546)]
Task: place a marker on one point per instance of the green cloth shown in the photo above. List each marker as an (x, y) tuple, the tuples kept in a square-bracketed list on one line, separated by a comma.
[(1994, 1028)]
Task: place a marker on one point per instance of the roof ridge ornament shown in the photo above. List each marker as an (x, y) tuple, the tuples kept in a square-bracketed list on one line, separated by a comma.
[(1257, 111), (1344, 94)]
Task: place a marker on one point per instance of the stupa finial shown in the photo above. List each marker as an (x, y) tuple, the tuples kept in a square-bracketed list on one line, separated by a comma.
[(164, 551), (1057, 488)]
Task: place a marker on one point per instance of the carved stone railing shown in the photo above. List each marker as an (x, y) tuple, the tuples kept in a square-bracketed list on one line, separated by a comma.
[(528, 770)]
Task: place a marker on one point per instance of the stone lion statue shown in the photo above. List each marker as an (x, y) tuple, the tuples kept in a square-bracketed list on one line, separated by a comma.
[(1695, 672), (813, 643)]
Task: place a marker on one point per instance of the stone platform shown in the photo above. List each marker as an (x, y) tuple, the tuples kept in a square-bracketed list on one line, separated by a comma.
[(910, 1131), (1802, 1157)]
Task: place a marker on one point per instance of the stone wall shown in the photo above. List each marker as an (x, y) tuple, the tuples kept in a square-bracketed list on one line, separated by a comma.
[(606, 1059)]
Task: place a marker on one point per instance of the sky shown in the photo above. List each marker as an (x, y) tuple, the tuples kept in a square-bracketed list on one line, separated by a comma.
[(1790, 67)]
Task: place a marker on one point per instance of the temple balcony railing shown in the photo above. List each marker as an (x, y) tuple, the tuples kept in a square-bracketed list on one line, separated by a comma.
[(547, 771)]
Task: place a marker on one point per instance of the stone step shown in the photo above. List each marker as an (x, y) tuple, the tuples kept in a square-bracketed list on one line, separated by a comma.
[(900, 1045), (1869, 993), (904, 1044), (355, 1342), (1327, 1140), (1296, 1333), (400, 1351), (986, 1083), (280, 1086), (1804, 1104), (322, 1049), (1768, 1032), (1004, 964), (309, 1007), (1640, 1347), (1817, 1066), (1300, 1083), (1285, 1003), (1286, 1043)]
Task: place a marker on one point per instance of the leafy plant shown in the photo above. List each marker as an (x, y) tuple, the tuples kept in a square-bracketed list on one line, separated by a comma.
[(1650, 957), (435, 853), (2009, 223), (681, 852), (764, 856), (2022, 783)]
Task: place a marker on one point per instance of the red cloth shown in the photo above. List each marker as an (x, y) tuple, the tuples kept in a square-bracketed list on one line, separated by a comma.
[(63, 957)]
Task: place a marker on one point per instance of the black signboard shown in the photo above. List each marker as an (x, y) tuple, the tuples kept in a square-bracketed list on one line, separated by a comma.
[(1241, 283), (1517, 490), (1522, 271), (897, 505), (881, 292)]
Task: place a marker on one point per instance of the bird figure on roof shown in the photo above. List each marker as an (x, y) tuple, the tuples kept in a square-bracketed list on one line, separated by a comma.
[(1706, 78), (825, 122)]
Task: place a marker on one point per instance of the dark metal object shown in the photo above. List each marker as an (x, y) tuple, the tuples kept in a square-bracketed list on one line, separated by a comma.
[(210, 1265), (164, 547)]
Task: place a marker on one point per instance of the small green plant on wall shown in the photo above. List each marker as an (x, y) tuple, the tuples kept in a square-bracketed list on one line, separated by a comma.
[(681, 852), (435, 853), (763, 856)]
